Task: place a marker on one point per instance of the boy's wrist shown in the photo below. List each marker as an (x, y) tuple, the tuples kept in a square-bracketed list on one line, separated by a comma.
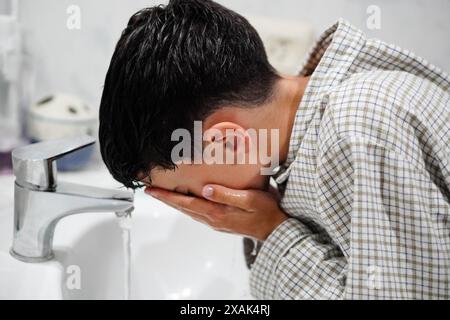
[(279, 219)]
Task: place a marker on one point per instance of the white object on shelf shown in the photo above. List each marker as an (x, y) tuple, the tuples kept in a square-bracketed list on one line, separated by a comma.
[(286, 41), (59, 116)]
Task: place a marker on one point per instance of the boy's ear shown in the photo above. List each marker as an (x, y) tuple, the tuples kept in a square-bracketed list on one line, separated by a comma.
[(231, 135)]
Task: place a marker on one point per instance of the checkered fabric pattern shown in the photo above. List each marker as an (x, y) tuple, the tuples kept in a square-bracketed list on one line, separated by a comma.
[(367, 180)]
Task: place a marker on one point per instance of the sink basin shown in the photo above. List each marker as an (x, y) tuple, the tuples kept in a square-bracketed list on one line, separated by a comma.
[(172, 256), (19, 280)]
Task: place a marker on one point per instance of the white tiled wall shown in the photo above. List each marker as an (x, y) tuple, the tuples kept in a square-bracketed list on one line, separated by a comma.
[(76, 61)]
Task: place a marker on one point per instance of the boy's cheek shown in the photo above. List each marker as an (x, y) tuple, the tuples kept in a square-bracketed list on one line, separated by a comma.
[(240, 177), (192, 178)]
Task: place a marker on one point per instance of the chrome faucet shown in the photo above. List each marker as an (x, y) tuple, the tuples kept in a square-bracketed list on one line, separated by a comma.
[(40, 201)]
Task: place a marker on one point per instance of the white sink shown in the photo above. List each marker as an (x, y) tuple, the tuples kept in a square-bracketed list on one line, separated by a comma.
[(173, 257)]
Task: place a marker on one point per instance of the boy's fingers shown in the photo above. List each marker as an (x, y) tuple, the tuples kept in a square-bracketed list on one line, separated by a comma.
[(205, 219), (199, 216), (244, 199), (182, 201)]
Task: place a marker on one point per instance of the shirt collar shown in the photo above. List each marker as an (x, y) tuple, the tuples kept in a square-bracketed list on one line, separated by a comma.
[(326, 64)]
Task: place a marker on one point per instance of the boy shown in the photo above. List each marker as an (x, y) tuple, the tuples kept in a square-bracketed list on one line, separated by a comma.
[(362, 134)]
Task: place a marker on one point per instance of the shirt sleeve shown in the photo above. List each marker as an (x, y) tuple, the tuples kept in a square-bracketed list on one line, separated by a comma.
[(388, 221), (297, 263)]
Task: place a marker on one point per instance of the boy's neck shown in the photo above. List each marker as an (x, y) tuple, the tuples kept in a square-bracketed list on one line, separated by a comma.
[(283, 109)]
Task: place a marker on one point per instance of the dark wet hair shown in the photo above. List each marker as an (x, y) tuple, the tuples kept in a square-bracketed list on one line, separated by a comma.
[(172, 65)]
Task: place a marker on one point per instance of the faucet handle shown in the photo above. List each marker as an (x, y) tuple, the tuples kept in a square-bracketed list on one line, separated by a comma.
[(35, 165)]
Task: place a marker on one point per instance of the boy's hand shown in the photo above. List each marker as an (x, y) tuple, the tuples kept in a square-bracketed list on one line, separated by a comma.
[(251, 213)]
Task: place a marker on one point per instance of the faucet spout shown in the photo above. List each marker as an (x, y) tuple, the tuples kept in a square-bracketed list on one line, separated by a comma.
[(40, 201), (38, 212)]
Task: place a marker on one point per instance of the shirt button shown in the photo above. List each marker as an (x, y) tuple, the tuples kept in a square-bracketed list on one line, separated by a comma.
[(374, 277)]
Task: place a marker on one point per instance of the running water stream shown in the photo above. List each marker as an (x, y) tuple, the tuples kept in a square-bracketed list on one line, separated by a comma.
[(125, 225)]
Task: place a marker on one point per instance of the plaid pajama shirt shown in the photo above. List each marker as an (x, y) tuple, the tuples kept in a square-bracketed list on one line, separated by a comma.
[(367, 180)]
